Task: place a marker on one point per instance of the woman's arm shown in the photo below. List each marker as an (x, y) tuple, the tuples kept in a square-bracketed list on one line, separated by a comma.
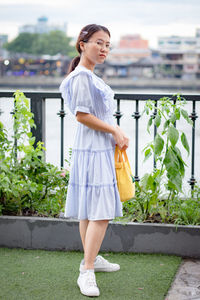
[(93, 122)]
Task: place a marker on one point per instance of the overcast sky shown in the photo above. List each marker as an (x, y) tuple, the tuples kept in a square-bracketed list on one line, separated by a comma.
[(149, 18)]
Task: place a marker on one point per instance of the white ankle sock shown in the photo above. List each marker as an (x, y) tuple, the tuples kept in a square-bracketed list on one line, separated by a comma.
[(86, 270)]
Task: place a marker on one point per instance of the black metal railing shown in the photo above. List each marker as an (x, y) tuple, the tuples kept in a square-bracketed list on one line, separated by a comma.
[(37, 100)]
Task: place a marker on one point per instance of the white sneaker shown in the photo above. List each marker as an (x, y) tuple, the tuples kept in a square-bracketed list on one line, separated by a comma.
[(102, 265), (87, 284)]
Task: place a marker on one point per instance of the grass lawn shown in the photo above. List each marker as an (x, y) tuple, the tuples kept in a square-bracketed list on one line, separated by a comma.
[(52, 275)]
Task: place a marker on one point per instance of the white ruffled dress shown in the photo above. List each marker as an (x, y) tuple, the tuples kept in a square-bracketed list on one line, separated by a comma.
[(92, 190)]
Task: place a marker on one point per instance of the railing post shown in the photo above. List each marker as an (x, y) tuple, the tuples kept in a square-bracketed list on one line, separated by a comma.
[(39, 110), (174, 104), (62, 115), (136, 115), (155, 129), (15, 140), (193, 117), (118, 113)]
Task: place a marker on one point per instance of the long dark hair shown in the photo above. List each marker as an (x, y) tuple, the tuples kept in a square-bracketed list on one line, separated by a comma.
[(84, 36)]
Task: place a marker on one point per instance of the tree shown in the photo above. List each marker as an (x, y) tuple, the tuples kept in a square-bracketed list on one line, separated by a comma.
[(48, 43), (23, 43)]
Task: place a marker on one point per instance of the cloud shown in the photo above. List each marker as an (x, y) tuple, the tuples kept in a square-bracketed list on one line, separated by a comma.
[(140, 12), (38, 2), (147, 17)]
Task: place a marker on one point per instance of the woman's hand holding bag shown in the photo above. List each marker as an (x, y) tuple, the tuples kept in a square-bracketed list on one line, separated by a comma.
[(120, 138), (125, 179)]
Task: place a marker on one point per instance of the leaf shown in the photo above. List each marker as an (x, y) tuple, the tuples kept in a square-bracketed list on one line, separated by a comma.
[(178, 153), (184, 114), (182, 164), (177, 113), (32, 140), (186, 117), (173, 135), (166, 124), (149, 124), (147, 182), (185, 142), (176, 180), (171, 162), (147, 154), (158, 144), (173, 118), (146, 110), (29, 134), (157, 120), (31, 123), (171, 186)]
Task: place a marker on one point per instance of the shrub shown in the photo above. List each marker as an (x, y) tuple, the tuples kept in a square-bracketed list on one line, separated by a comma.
[(28, 185), (159, 195)]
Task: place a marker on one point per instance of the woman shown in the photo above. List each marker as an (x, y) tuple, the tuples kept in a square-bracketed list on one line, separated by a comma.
[(92, 195)]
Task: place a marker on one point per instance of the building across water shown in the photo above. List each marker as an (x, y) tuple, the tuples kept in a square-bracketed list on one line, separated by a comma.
[(132, 59), (42, 26), (180, 56)]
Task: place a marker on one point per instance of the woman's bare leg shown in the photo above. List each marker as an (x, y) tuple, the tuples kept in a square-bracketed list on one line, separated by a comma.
[(94, 236), (83, 224)]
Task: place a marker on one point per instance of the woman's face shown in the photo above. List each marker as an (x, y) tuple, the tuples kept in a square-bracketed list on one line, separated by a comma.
[(96, 49)]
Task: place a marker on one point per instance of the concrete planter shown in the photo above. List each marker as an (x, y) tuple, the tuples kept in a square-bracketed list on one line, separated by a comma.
[(63, 234)]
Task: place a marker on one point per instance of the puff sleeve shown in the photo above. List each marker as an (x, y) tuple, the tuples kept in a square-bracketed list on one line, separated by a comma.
[(81, 94), (85, 92)]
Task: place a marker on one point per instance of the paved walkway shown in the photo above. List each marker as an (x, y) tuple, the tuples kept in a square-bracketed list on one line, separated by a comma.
[(186, 285)]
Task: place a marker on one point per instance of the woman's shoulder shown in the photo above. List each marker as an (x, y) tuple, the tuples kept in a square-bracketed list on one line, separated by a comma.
[(79, 73), (82, 79), (82, 75)]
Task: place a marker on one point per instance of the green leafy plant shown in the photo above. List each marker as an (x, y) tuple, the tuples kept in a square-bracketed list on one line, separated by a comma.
[(170, 166), (157, 197), (164, 147), (28, 185), (187, 211)]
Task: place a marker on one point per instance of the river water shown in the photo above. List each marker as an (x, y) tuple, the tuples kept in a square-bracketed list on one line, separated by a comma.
[(127, 123)]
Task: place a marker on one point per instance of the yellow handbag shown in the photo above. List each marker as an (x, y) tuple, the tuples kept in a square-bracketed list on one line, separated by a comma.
[(125, 179)]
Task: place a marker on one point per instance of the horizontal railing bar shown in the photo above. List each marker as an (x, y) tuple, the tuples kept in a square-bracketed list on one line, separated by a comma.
[(144, 97), (34, 94), (132, 96)]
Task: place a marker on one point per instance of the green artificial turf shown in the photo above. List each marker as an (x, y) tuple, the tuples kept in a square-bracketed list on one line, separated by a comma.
[(52, 275)]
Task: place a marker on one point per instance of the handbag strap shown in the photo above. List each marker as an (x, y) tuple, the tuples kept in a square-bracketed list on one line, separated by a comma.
[(119, 156)]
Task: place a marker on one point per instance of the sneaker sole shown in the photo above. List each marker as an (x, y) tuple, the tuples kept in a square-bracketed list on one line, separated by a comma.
[(102, 269), (106, 270)]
